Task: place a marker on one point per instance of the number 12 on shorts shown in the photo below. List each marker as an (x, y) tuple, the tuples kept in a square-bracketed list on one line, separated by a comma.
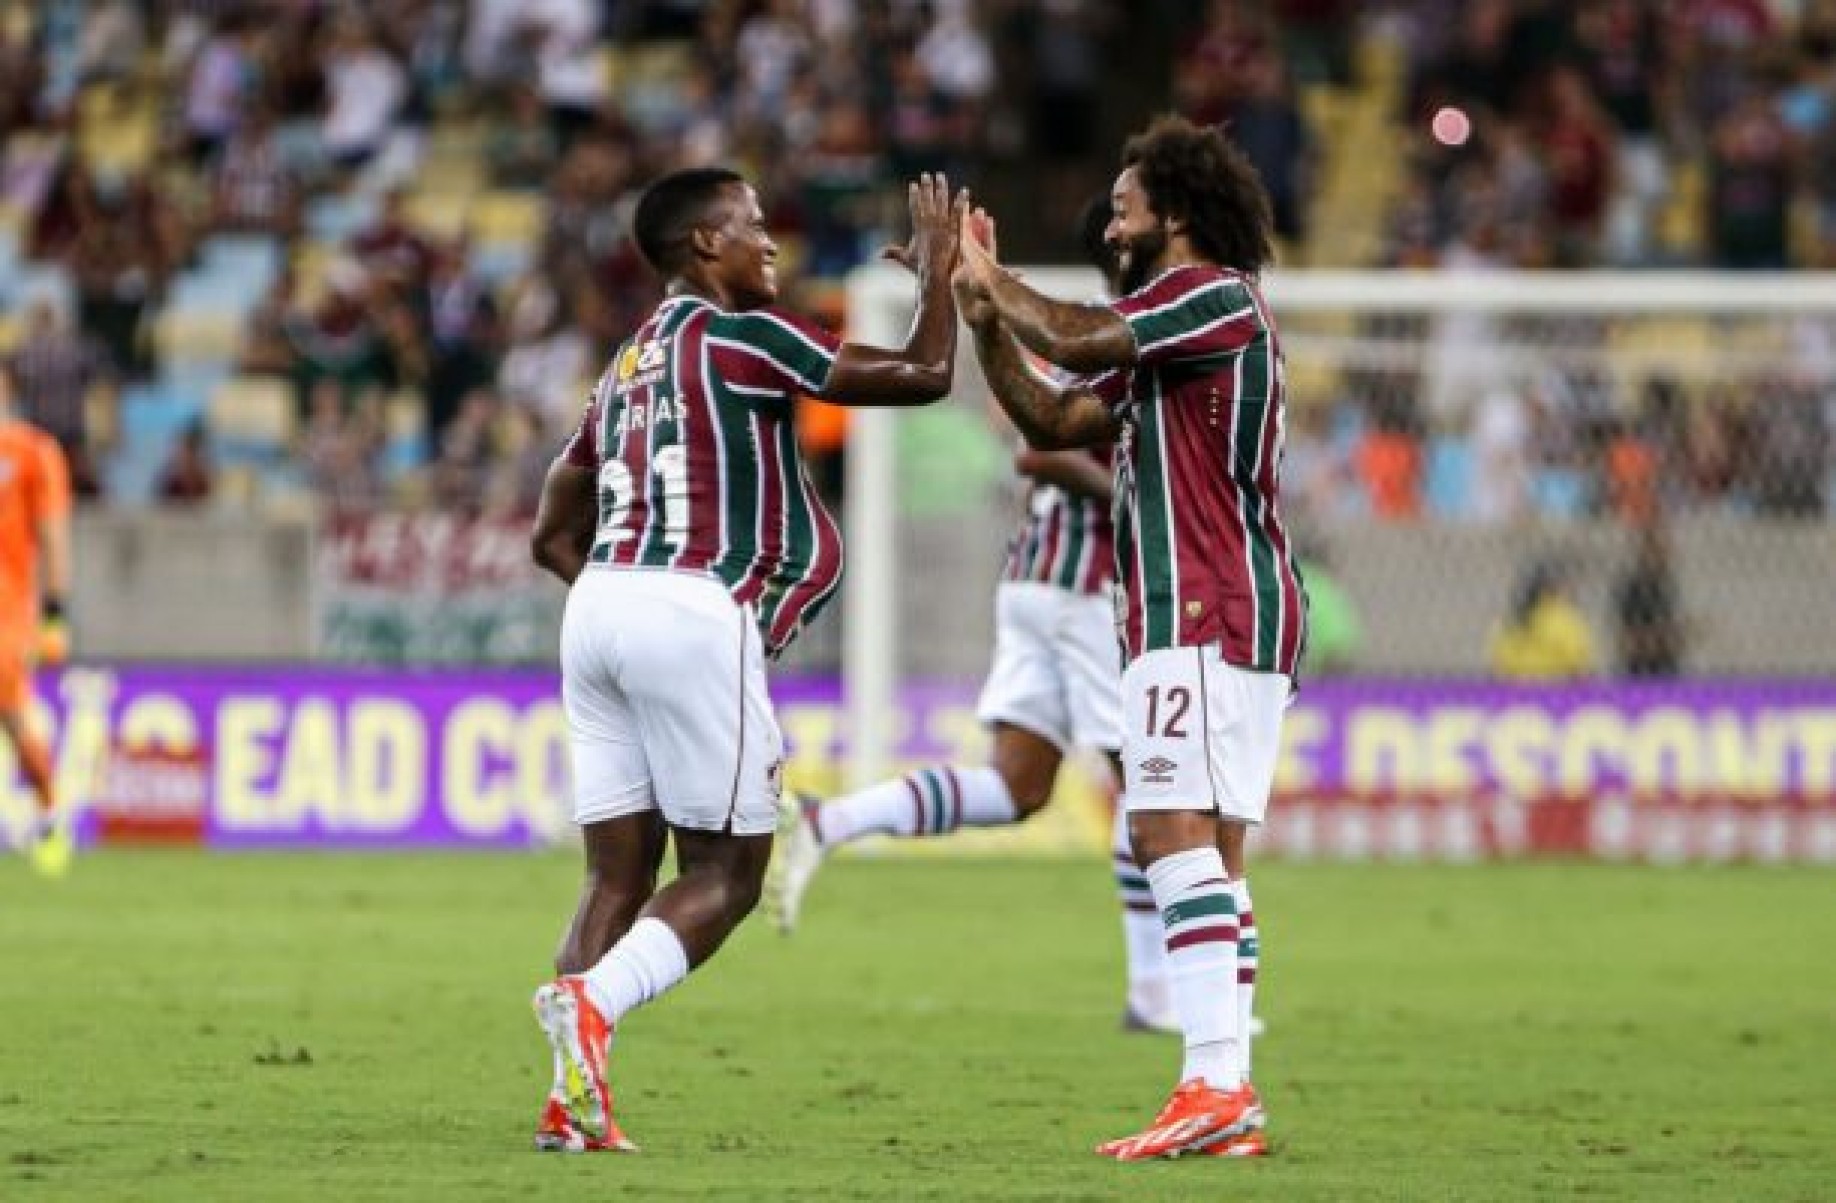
[(1166, 711)]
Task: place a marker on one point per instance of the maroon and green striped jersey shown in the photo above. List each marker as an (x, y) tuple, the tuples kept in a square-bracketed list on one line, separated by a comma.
[(690, 430), (1201, 552), (1065, 539)]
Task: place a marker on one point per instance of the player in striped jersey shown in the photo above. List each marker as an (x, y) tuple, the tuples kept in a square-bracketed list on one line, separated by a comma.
[(1184, 374), (696, 549), (1055, 684)]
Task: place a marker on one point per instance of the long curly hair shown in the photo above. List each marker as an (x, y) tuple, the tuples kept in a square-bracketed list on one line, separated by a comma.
[(1196, 175)]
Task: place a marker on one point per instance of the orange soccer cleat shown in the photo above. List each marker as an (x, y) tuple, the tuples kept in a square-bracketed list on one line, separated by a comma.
[(1196, 1117), (581, 1039)]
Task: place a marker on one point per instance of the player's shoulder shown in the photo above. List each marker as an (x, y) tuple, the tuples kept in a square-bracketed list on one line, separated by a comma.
[(766, 323), (1186, 280)]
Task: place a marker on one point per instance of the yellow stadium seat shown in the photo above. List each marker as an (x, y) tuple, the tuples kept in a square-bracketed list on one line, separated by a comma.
[(253, 409), (509, 217), (439, 214), (194, 334), (405, 415)]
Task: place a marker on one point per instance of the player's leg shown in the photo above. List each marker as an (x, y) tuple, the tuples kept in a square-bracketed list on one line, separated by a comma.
[(1243, 763), (622, 858), (1023, 703), (1172, 800), (1090, 666), (48, 843), (623, 836), (691, 669)]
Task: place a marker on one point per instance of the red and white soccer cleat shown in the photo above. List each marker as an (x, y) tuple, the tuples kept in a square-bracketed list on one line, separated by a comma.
[(1196, 1117), (581, 1039)]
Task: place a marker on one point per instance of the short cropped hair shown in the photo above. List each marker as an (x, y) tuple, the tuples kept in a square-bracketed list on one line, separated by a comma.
[(1194, 174), (671, 208)]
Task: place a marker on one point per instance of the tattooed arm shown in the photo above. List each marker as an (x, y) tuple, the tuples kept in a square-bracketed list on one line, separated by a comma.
[(1051, 418)]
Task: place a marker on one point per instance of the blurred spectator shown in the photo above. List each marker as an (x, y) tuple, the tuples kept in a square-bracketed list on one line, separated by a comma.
[(1620, 48), (1645, 605), (1268, 125), (1545, 637), (522, 148), (1501, 438), (187, 477), (1749, 191), (222, 75), (1390, 465), (463, 460), (340, 446), (548, 360), (563, 35), (1577, 148), (254, 189), (1790, 449), (463, 336), (54, 369), (390, 249), (364, 90), (357, 336), (113, 36)]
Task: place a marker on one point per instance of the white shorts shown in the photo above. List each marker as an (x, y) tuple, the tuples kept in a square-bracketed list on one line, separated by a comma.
[(663, 679), (1057, 669), (1200, 734)]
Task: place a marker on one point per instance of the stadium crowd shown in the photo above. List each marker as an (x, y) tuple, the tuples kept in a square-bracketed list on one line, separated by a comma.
[(414, 215)]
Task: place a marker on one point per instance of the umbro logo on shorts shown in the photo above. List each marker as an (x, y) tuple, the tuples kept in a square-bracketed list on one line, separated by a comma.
[(1158, 770)]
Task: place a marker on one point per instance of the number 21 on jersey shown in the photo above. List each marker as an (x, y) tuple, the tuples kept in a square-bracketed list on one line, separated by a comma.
[(618, 488)]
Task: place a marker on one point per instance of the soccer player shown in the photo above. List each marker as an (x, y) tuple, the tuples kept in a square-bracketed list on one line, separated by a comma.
[(34, 532), (1187, 377), (696, 548), (1055, 684)]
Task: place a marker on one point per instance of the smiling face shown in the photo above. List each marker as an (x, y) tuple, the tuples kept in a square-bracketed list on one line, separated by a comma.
[(743, 256), (1135, 233)]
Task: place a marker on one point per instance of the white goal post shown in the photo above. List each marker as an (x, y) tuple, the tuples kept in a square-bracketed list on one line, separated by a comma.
[(1453, 332)]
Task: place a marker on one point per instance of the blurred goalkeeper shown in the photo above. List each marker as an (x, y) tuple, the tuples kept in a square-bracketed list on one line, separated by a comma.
[(34, 527)]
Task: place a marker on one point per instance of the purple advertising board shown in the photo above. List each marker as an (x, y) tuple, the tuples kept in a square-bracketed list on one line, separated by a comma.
[(330, 757)]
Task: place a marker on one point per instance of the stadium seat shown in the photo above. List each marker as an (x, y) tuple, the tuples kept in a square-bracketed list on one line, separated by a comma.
[(336, 218), (439, 214), (252, 417), (189, 335), (251, 257), (506, 216)]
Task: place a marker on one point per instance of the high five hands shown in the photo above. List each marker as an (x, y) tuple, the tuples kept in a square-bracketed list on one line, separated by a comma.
[(937, 225)]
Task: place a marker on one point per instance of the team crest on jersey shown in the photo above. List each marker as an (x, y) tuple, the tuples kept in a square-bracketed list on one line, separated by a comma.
[(639, 364)]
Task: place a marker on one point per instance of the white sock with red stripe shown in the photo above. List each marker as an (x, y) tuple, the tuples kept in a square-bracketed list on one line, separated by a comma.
[(646, 963), (1199, 914), (1249, 955), (930, 801), (1143, 936)]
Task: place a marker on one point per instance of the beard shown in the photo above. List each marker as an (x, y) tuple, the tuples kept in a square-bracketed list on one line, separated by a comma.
[(1141, 255)]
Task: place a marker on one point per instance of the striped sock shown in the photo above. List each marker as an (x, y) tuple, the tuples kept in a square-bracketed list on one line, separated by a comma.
[(1200, 917), (1249, 952), (930, 801), (1143, 937)]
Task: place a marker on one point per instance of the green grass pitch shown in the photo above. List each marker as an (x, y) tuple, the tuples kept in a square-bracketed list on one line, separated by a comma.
[(179, 1026)]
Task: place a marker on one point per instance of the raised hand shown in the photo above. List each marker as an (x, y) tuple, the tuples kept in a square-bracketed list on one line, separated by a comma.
[(974, 267), (936, 226)]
